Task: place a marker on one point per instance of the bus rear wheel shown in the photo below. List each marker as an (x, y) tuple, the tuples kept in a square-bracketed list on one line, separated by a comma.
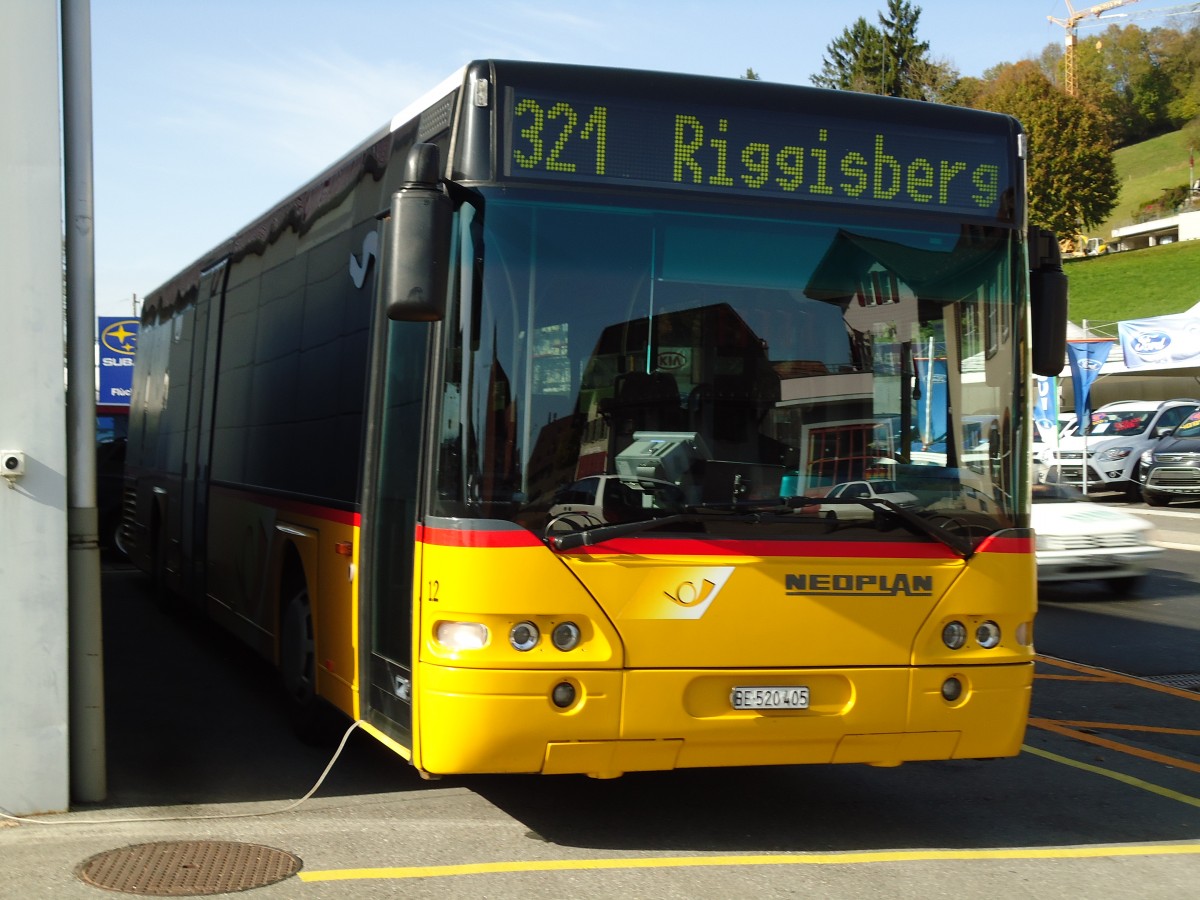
[(296, 648), (297, 668)]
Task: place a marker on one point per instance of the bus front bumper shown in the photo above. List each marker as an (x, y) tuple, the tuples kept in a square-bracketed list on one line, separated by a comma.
[(492, 721)]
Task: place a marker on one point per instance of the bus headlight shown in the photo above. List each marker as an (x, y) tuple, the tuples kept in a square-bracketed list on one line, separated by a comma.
[(565, 636), (988, 635), (461, 635), (524, 636), (954, 635)]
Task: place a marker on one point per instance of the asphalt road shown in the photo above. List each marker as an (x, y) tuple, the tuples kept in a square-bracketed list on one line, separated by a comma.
[(1103, 802)]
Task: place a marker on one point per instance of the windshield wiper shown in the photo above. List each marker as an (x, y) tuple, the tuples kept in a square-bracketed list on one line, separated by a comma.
[(597, 534), (960, 545)]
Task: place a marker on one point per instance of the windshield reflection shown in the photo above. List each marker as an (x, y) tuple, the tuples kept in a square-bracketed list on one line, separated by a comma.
[(620, 364)]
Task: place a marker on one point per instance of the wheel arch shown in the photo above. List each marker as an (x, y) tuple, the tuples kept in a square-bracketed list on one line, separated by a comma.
[(294, 567)]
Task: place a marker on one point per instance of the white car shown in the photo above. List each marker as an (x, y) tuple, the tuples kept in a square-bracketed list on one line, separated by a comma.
[(852, 490), (1079, 540), (607, 499), (1116, 436), (1065, 426)]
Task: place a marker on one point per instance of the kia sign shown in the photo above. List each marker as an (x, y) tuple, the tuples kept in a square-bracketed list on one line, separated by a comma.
[(118, 344)]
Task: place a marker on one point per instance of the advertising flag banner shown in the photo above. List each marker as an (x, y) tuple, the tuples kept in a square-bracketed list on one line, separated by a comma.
[(1086, 358), (931, 405), (1045, 407), (1160, 342), (118, 345)]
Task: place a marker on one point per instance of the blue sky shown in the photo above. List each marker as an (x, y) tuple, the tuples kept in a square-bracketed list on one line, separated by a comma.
[(208, 113)]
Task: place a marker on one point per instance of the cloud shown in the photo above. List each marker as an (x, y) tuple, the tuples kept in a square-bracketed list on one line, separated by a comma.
[(294, 114)]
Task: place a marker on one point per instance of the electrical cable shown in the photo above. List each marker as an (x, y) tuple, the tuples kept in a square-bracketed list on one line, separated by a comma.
[(248, 815)]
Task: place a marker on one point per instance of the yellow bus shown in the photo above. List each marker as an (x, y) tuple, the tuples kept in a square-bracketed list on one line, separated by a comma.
[(505, 434)]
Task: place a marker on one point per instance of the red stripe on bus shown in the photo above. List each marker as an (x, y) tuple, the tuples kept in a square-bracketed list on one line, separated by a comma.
[(458, 537), (447, 537), (999, 543), (454, 537), (722, 547), (296, 507)]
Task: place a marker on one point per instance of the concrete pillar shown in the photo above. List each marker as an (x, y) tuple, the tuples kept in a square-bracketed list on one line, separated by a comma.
[(34, 762)]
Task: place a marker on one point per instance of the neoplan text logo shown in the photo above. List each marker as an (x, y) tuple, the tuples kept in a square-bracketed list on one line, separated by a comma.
[(858, 585)]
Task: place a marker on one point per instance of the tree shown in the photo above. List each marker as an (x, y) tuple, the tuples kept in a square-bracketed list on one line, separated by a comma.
[(751, 75), (854, 61), (888, 59), (1122, 74), (1147, 82), (1072, 178)]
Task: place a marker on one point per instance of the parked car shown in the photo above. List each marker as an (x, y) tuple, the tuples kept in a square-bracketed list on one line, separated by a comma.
[(607, 499), (1114, 440), (853, 490), (1065, 426), (1078, 540), (1170, 470)]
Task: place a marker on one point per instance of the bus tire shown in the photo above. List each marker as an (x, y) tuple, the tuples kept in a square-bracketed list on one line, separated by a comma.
[(309, 717)]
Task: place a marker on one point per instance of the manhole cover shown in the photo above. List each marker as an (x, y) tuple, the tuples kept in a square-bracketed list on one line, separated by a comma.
[(188, 868), (1187, 682)]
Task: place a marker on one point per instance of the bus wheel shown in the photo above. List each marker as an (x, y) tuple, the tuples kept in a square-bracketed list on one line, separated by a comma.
[(297, 663), (312, 719)]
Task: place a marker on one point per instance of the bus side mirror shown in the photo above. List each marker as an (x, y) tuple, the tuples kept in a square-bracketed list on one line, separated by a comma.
[(1047, 303), (415, 252)]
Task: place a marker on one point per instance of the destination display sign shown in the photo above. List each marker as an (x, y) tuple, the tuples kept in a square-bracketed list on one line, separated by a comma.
[(685, 146)]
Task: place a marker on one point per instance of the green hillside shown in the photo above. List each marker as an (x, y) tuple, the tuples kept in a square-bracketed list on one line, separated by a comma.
[(1135, 284), (1146, 170)]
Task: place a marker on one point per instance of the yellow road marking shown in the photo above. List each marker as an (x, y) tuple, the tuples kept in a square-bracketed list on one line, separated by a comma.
[(816, 859), (1106, 675), (859, 858), (1115, 776), (1113, 726), (1049, 725)]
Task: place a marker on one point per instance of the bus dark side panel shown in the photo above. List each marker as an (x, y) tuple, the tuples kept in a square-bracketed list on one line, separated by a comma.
[(247, 425)]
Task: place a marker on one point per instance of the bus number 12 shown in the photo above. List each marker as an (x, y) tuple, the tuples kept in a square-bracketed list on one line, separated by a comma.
[(559, 125)]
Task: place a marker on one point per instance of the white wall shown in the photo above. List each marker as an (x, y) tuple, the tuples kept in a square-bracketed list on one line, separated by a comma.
[(34, 764)]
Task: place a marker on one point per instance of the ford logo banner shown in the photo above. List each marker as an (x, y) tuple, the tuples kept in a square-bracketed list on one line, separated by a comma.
[(1150, 342), (1160, 341)]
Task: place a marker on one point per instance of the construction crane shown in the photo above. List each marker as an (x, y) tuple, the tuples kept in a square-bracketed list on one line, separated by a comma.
[(1071, 24)]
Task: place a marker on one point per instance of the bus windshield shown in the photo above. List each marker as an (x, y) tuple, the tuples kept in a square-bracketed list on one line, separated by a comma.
[(612, 363)]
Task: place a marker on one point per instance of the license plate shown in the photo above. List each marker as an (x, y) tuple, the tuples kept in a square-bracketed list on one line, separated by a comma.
[(769, 698)]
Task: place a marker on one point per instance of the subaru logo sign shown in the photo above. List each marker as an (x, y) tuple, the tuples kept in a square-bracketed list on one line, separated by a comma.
[(1150, 342)]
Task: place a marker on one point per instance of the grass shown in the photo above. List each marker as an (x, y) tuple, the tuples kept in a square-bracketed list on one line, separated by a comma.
[(1147, 169), (1134, 284), (1137, 284)]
